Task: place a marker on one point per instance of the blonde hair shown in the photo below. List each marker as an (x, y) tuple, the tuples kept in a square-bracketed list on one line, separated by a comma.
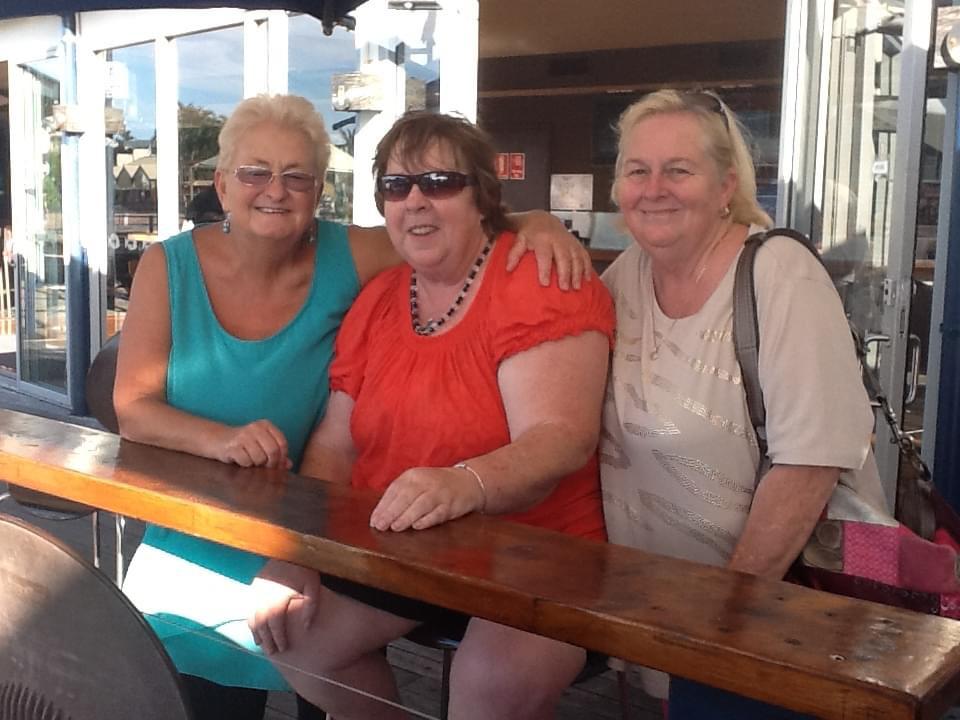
[(723, 139), (291, 112)]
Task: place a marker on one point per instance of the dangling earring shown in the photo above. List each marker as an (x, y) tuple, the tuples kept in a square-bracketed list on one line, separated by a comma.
[(724, 213), (310, 233), (225, 227)]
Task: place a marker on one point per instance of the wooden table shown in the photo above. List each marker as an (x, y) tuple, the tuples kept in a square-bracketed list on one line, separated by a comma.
[(817, 653)]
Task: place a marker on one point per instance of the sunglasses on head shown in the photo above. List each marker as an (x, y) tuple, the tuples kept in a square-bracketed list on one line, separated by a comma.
[(436, 184), (706, 101), (256, 176)]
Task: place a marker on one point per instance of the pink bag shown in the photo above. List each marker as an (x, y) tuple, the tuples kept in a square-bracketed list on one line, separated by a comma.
[(889, 564), (912, 563)]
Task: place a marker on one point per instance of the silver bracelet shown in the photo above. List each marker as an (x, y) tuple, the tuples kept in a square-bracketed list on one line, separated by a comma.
[(483, 488)]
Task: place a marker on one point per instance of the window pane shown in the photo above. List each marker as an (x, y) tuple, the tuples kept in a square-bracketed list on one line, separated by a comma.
[(130, 116), (210, 86), (314, 59), (41, 282)]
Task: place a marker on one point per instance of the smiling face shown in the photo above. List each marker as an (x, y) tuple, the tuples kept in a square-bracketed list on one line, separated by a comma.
[(438, 237), (670, 191), (271, 211)]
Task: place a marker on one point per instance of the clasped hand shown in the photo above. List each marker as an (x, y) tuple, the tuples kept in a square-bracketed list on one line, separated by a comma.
[(423, 497), (283, 591), (259, 443)]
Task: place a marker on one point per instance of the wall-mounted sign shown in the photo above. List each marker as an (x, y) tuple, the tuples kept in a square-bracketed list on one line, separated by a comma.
[(503, 166), (518, 166), (356, 91), (571, 192)]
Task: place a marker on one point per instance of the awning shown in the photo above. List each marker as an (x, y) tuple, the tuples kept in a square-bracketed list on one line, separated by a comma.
[(328, 11)]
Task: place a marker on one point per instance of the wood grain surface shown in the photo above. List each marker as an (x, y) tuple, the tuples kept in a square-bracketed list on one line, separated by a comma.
[(822, 654)]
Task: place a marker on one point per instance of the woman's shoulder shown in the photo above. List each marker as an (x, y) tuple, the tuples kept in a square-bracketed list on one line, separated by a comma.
[(523, 313), (525, 277), (178, 241), (623, 271), (786, 271), (330, 230), (784, 257), (376, 298)]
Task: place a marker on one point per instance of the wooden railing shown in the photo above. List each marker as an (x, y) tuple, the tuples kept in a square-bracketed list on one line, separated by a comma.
[(822, 654)]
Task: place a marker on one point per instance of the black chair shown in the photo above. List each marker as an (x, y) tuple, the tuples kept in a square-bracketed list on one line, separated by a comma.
[(74, 648), (99, 385)]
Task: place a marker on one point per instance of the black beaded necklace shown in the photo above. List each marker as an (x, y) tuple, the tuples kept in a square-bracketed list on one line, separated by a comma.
[(431, 326)]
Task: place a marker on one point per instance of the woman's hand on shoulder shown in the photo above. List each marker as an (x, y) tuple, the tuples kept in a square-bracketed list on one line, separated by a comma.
[(543, 234), (423, 497), (282, 590), (254, 444)]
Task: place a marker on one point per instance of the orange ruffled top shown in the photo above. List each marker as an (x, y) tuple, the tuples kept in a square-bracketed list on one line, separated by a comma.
[(433, 401)]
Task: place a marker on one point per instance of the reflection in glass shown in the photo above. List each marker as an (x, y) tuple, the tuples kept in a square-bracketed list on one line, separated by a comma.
[(759, 110), (41, 285), (210, 67), (928, 208), (130, 116), (314, 59), (8, 333), (859, 161), (420, 64)]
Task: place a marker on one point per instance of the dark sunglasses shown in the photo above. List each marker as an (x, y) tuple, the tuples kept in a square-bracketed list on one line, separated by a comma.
[(436, 184), (256, 176), (706, 101)]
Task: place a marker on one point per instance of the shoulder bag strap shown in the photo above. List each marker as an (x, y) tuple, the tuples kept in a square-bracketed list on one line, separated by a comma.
[(746, 332)]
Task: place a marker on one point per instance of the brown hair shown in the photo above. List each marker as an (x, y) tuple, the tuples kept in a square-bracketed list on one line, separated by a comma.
[(415, 132), (723, 141)]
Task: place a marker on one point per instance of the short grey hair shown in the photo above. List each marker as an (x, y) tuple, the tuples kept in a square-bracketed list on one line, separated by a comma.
[(291, 112)]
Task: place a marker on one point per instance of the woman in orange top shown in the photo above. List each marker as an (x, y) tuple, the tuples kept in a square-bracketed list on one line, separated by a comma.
[(456, 388)]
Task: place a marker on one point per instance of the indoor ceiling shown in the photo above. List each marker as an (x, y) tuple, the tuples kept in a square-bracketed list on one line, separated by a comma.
[(538, 27)]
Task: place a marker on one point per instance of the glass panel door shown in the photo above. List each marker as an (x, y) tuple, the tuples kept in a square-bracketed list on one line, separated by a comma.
[(41, 284), (8, 331), (131, 126), (925, 252), (864, 205), (210, 85), (862, 101)]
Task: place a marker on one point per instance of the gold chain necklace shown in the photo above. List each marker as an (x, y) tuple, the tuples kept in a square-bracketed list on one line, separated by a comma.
[(659, 338)]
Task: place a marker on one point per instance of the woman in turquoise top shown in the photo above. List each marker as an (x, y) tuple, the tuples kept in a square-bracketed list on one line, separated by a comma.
[(225, 351)]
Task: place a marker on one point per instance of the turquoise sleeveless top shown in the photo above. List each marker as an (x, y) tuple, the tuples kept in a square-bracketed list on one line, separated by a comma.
[(194, 592)]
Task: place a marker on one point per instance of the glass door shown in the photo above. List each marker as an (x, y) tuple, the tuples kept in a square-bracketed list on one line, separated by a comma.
[(8, 332), (40, 277), (131, 155), (859, 195)]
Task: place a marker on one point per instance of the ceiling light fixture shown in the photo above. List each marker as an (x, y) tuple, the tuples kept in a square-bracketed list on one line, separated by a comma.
[(413, 5)]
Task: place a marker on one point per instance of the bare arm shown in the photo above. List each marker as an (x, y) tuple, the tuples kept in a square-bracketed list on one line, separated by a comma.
[(372, 251), (538, 232), (330, 451), (552, 394), (140, 396), (786, 506)]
